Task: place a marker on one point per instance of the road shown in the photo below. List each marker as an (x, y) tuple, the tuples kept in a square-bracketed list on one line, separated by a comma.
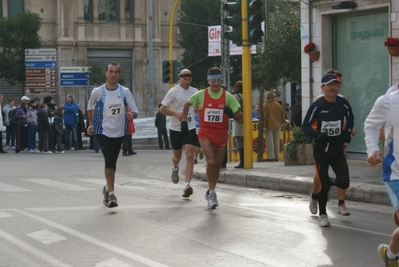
[(51, 214)]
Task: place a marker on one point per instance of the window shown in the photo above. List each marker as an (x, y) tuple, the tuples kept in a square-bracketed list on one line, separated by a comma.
[(15, 7), (129, 11), (108, 10), (88, 10)]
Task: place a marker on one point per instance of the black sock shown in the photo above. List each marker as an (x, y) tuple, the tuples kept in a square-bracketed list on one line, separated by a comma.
[(314, 196), (341, 202)]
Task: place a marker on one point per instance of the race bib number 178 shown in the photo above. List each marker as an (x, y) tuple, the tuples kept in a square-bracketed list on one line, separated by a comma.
[(213, 115)]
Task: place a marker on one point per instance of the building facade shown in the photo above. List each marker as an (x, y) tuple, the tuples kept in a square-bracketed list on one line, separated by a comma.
[(351, 40), (84, 31)]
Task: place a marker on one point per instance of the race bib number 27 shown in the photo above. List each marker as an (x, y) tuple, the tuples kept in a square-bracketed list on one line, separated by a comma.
[(213, 115)]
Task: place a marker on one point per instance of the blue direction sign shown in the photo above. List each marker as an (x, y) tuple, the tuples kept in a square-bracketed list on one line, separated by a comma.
[(74, 76), (43, 64), (74, 82)]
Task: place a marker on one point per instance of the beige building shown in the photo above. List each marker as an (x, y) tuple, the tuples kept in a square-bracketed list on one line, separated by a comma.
[(351, 40), (83, 31)]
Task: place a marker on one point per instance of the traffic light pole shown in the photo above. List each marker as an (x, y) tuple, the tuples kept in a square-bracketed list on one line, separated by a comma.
[(172, 19), (247, 87)]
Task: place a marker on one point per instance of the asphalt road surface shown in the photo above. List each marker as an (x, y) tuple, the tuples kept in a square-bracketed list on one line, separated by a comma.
[(51, 214)]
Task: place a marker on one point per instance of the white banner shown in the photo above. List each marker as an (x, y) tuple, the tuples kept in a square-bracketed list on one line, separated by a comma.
[(145, 128), (215, 43)]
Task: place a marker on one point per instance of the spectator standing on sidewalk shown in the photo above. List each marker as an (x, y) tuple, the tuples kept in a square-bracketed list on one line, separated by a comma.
[(238, 127), (273, 118), (31, 119), (70, 122), (22, 127), (2, 125), (160, 124), (385, 114), (43, 127), (58, 130), (10, 125), (329, 121)]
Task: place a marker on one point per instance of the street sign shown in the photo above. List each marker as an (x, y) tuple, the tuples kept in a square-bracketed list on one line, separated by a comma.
[(44, 64), (41, 90), (40, 71), (74, 69), (40, 51), (40, 58), (74, 76)]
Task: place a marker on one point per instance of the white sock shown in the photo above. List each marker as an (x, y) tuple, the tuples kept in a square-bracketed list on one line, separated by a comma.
[(176, 169), (187, 184), (390, 255), (211, 191), (106, 188), (111, 193)]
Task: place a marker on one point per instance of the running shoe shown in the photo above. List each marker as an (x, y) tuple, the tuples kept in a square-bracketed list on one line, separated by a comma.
[(31, 151), (206, 195), (313, 205), (188, 191), (37, 151), (342, 210), (323, 221), (195, 161), (382, 250), (106, 197), (175, 175), (112, 203), (212, 201)]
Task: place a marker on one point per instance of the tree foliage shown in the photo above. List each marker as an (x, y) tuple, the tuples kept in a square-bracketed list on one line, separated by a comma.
[(279, 57), (193, 37), (17, 34)]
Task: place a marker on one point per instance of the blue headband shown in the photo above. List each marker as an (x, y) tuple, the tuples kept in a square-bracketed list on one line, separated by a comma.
[(215, 76)]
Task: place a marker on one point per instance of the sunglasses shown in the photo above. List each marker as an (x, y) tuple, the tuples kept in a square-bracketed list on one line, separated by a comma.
[(216, 80)]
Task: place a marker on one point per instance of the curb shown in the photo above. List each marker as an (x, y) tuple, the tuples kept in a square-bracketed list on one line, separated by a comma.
[(360, 192)]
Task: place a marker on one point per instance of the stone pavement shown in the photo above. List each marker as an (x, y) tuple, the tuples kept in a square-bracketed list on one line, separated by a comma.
[(365, 184)]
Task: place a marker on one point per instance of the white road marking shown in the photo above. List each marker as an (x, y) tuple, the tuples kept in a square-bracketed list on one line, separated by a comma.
[(112, 262), (4, 215), (59, 185), (11, 188), (94, 241), (52, 261), (46, 237)]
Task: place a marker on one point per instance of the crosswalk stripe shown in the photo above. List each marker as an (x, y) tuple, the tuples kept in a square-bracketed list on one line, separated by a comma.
[(112, 262), (12, 188), (46, 237), (59, 185)]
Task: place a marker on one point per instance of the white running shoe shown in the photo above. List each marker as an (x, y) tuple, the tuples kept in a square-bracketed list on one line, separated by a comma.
[(323, 221), (342, 210), (313, 205), (37, 151), (212, 201)]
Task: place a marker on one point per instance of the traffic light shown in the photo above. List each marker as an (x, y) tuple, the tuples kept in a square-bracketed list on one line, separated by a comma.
[(166, 73), (255, 20), (177, 68), (234, 21)]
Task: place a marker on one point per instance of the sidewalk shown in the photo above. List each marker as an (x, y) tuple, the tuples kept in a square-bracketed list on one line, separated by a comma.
[(365, 184)]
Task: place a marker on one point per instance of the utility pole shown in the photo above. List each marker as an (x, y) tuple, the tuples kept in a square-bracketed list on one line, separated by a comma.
[(150, 62)]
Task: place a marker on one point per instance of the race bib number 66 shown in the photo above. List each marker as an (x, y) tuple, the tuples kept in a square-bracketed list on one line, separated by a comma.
[(213, 115)]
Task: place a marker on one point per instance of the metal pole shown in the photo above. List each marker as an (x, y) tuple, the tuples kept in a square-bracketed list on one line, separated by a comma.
[(225, 61), (247, 86), (172, 19), (150, 62)]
